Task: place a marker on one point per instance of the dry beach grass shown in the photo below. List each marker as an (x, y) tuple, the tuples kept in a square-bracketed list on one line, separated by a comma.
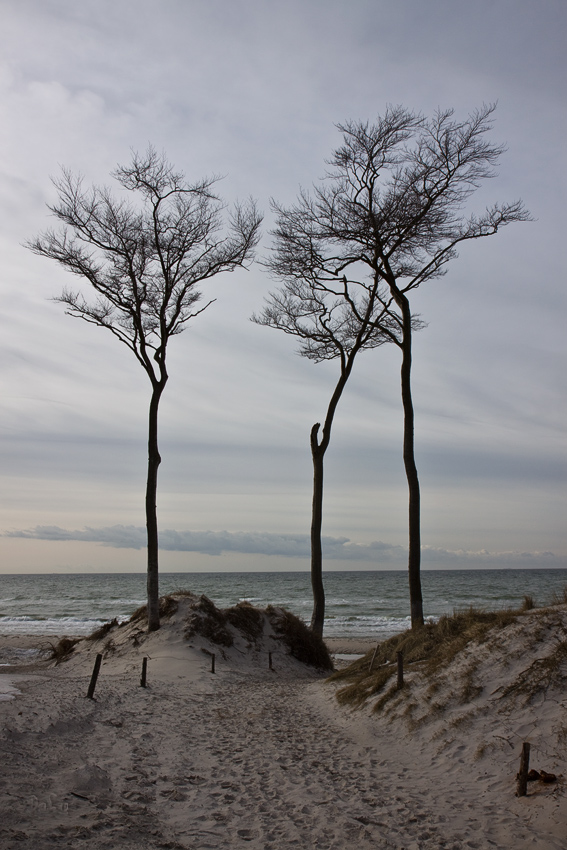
[(268, 758)]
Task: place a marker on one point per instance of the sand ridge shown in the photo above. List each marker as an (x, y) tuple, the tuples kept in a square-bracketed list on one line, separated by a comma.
[(263, 758)]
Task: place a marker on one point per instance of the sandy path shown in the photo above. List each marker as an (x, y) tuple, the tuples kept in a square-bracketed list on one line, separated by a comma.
[(251, 763), (246, 758), (262, 764)]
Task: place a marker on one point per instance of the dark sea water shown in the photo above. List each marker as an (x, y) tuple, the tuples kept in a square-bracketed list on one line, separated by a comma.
[(358, 604)]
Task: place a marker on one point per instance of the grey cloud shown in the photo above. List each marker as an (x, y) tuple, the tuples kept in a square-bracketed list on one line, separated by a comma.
[(216, 542), (289, 546), (489, 560)]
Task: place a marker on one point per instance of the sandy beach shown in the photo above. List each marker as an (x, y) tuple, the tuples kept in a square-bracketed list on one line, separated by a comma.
[(267, 758)]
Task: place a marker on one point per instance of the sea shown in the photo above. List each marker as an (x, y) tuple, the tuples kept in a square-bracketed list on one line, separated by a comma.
[(364, 604)]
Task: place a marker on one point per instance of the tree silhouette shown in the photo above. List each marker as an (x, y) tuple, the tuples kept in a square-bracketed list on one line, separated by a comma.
[(145, 262), (388, 217)]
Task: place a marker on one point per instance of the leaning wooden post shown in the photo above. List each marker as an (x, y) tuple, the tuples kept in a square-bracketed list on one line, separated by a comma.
[(144, 671), (270, 660), (212, 662), (373, 657), (400, 657), (94, 677), (523, 772)]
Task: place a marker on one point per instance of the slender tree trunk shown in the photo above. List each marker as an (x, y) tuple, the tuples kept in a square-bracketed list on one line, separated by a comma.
[(414, 559), (154, 461), (317, 453), (318, 450)]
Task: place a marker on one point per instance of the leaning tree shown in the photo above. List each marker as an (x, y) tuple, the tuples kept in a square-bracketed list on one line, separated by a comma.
[(389, 216), (145, 261)]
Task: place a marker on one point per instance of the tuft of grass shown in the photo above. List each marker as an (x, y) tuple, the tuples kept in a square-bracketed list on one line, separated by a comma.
[(109, 647), (433, 645), (209, 622), (559, 598), (359, 691), (300, 640), (387, 697), (61, 650), (139, 614), (247, 619), (543, 672), (168, 605), (529, 603), (103, 630)]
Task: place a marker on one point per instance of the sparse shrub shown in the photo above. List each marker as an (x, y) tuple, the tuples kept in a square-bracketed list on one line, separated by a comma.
[(302, 643), (529, 603), (543, 672), (140, 613), (168, 605), (359, 691), (246, 619), (433, 645), (559, 598), (61, 650), (103, 630), (209, 622)]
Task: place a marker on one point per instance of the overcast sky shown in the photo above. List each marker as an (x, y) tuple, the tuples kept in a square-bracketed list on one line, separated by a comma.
[(252, 89)]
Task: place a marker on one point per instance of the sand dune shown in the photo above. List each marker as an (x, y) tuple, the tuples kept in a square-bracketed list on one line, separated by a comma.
[(266, 758)]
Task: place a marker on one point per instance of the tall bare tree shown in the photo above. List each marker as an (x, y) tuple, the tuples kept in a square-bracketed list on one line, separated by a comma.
[(335, 318), (389, 217), (337, 307), (145, 261)]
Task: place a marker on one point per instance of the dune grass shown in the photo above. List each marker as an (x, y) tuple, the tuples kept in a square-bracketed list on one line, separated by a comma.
[(300, 640), (103, 630), (431, 646), (61, 650), (208, 621)]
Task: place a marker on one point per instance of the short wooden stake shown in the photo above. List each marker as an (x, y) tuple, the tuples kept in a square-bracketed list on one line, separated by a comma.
[(144, 671), (270, 660), (373, 657), (212, 662), (523, 772), (400, 657), (94, 677)]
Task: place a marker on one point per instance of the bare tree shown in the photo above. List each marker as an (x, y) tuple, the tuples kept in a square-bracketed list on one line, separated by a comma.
[(337, 307), (335, 318), (389, 216), (145, 261)]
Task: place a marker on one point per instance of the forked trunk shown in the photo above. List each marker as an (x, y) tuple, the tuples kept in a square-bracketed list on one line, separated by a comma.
[(154, 461), (318, 618)]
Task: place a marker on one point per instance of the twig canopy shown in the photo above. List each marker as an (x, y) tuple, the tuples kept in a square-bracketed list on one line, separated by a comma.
[(145, 262), (388, 217)]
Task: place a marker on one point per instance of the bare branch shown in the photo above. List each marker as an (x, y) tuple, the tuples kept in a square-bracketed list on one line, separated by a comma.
[(145, 261), (389, 216)]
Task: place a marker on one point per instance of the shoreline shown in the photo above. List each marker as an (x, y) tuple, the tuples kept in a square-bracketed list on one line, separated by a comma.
[(12, 642)]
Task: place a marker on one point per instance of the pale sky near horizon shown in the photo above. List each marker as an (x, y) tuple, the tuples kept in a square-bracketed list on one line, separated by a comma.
[(252, 90)]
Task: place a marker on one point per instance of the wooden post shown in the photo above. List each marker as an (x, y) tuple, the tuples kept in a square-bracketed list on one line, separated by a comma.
[(144, 671), (400, 669), (523, 772), (270, 660), (212, 662), (94, 677), (373, 657)]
